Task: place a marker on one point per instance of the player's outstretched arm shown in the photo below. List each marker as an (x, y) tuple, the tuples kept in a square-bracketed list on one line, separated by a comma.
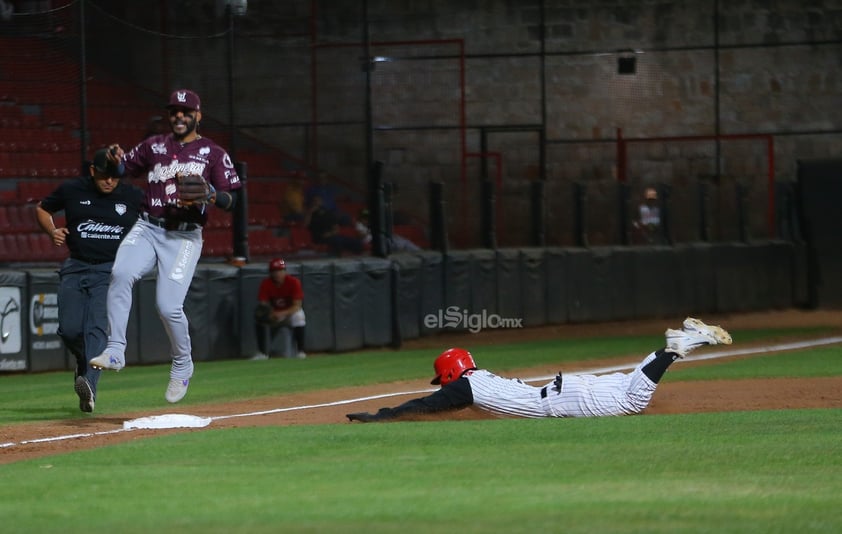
[(453, 396)]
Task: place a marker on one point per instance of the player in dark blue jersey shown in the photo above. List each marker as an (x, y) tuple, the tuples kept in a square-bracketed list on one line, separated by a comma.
[(98, 212)]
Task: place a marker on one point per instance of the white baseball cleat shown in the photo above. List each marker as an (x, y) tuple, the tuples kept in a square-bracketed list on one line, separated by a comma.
[(259, 356), (695, 334), (107, 361), (177, 389), (301, 355)]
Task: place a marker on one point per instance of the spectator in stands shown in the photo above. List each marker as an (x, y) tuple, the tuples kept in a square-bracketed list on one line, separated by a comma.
[(396, 243), (99, 210), (292, 203), (326, 191), (322, 188), (649, 217), (279, 301), (325, 230)]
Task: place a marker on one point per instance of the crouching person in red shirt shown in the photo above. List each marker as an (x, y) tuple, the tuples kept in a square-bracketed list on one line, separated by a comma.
[(279, 301)]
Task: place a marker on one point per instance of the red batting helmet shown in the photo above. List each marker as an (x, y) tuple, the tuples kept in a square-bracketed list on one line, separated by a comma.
[(277, 265), (450, 365)]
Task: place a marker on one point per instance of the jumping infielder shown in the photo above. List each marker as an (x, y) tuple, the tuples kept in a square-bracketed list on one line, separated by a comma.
[(569, 395), (169, 233)]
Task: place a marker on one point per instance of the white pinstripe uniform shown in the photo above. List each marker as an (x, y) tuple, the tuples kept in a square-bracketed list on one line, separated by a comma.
[(580, 395)]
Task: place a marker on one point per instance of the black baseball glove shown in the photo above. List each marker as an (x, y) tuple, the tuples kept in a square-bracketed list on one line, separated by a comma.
[(194, 189), (363, 417), (383, 414), (262, 312)]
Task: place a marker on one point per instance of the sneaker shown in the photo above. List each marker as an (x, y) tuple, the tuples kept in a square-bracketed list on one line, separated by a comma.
[(86, 394), (107, 361), (259, 356), (177, 389), (301, 355), (695, 334)]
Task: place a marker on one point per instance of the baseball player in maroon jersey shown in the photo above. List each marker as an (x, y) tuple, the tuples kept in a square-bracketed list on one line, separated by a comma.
[(168, 236), (279, 299), (569, 395)]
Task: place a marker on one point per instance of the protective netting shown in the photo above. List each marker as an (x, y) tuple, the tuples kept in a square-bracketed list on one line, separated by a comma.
[(462, 96)]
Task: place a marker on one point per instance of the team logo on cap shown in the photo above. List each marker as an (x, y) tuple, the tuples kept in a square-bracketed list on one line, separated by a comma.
[(181, 96)]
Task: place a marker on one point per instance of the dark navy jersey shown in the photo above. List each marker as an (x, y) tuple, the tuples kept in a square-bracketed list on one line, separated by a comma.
[(97, 222)]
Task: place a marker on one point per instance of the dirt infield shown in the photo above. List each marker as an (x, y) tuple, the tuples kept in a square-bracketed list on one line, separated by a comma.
[(671, 397)]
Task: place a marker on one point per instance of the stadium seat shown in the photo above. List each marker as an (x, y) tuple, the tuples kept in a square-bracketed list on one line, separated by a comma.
[(264, 214), (218, 218), (217, 243), (8, 248)]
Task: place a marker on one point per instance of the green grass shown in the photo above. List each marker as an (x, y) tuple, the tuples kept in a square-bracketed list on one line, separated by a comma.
[(765, 471)]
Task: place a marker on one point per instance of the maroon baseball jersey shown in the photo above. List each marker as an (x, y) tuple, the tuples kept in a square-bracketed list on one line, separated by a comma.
[(160, 158)]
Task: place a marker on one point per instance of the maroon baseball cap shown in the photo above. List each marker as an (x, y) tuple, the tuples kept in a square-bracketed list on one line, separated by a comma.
[(277, 264), (185, 98)]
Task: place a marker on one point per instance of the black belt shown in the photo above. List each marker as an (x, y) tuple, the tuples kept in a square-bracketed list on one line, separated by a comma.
[(556, 386), (168, 224), (92, 262)]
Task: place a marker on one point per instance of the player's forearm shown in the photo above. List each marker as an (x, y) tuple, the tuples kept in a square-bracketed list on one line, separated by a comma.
[(225, 200), (45, 220)]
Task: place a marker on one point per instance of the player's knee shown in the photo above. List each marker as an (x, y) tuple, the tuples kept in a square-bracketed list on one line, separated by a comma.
[(170, 312), (121, 277)]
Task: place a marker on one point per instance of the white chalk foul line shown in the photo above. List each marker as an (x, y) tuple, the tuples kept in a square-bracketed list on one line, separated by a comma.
[(712, 356), (623, 367)]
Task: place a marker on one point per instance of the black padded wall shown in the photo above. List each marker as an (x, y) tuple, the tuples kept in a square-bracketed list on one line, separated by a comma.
[(622, 281), (348, 304), (533, 285), (363, 302), (377, 302), (696, 286), (457, 287), (555, 264), (408, 294), (317, 282), (219, 337), (509, 280), (657, 283), (589, 284), (46, 349), (247, 288), (431, 290), (483, 280), (820, 188)]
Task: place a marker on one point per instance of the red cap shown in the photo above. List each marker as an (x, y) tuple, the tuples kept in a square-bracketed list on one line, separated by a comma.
[(185, 98), (277, 265)]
